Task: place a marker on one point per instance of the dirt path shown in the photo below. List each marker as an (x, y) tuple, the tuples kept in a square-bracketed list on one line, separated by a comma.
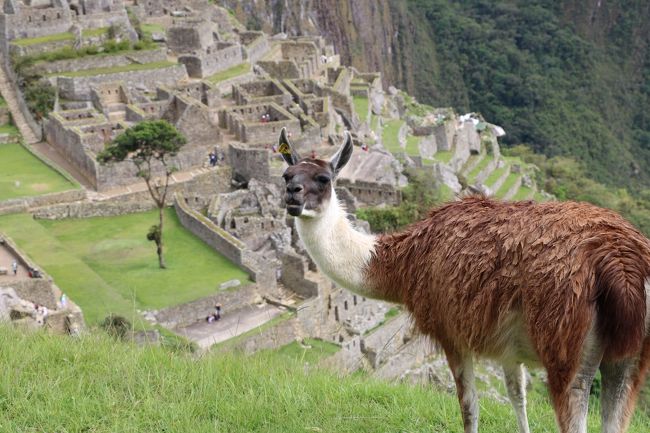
[(6, 259), (231, 325)]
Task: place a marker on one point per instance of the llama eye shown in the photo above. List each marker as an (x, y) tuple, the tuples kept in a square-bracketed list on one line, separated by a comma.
[(322, 179)]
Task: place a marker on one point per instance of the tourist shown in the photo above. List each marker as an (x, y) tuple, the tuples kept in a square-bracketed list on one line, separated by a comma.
[(213, 159), (216, 316), (63, 300), (14, 267)]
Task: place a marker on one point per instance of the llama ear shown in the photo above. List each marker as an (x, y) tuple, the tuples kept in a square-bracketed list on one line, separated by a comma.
[(286, 150), (342, 156)]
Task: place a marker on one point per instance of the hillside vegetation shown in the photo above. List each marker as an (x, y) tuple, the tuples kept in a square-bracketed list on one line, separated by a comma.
[(94, 384), (560, 86)]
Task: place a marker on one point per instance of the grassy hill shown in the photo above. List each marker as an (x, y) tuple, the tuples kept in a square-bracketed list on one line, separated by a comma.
[(93, 384)]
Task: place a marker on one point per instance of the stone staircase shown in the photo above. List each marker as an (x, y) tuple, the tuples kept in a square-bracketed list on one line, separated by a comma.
[(9, 94)]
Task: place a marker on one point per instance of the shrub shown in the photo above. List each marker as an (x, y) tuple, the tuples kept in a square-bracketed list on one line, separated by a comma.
[(40, 97), (116, 326)]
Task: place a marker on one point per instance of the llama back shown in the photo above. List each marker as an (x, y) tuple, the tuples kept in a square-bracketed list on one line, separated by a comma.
[(471, 265)]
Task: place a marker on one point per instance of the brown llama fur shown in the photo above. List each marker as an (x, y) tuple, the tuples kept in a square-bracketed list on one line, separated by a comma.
[(465, 269), (560, 284)]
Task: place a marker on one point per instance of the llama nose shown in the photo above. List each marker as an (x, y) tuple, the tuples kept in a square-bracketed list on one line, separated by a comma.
[(294, 188)]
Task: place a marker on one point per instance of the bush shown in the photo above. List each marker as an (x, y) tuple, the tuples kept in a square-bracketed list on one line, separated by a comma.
[(418, 198), (40, 97), (116, 326)]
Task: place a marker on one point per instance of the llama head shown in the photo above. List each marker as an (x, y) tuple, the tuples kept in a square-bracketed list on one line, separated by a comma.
[(310, 182)]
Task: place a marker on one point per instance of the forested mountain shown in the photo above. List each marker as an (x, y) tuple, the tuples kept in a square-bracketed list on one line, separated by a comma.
[(564, 77)]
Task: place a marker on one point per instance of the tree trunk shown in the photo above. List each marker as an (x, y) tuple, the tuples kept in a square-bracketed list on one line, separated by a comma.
[(159, 241)]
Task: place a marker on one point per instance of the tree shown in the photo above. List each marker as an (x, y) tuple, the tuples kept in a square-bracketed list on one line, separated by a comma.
[(146, 144)]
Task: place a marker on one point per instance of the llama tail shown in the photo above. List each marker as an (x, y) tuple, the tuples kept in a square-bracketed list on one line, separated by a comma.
[(621, 301)]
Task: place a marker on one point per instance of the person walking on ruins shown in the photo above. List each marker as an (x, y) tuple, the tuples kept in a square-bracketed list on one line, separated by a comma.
[(14, 267)]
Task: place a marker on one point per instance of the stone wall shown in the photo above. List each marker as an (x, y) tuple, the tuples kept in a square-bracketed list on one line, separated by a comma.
[(192, 312), (281, 334), (195, 120), (256, 45), (11, 76), (217, 58), (79, 87), (24, 204), (29, 22), (294, 270), (91, 62), (249, 163), (235, 250), (372, 193), (280, 69), (38, 290), (261, 92), (186, 36), (444, 134)]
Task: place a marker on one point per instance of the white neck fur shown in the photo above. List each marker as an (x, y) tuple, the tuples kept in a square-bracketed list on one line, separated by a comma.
[(340, 251)]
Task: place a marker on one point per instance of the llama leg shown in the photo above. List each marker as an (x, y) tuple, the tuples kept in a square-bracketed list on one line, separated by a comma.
[(462, 367), (617, 380), (516, 384), (571, 395)]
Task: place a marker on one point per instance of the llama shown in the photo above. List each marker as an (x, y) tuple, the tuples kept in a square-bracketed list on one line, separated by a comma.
[(561, 285)]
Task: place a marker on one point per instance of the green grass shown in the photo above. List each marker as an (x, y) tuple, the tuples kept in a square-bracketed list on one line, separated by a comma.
[(510, 181), (310, 352), (66, 36), (444, 156), (9, 129), (3, 103), (495, 175), (88, 33), (149, 29), (412, 143), (390, 133), (94, 384), (235, 71), (116, 69), (232, 342), (471, 177), (523, 193), (22, 174), (361, 107), (393, 312), (106, 264)]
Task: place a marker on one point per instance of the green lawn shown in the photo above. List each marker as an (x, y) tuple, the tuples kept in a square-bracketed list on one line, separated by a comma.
[(22, 174), (311, 352), (87, 33), (116, 69), (235, 71), (149, 29), (510, 181), (66, 36), (495, 175), (444, 155), (95, 384), (361, 107), (412, 143), (8, 129), (471, 177), (523, 193), (106, 264), (389, 135)]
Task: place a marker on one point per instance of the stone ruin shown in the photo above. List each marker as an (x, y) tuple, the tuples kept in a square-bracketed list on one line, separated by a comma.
[(30, 299)]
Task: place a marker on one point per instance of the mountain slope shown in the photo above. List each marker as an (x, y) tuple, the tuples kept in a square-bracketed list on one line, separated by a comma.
[(567, 78)]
